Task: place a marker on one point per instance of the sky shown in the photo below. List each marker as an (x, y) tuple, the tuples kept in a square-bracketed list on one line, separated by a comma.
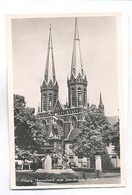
[(98, 40)]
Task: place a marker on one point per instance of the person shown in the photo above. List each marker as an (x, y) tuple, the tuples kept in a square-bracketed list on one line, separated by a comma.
[(16, 165), (54, 160), (33, 165), (84, 177), (65, 161), (25, 165)]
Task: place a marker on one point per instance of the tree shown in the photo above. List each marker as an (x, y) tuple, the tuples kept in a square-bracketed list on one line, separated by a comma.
[(94, 135), (116, 137), (27, 128)]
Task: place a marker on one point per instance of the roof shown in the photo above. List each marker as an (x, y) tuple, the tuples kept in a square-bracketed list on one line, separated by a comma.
[(73, 134), (50, 67), (112, 119)]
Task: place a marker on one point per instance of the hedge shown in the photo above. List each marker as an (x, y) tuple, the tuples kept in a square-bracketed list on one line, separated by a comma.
[(83, 169), (113, 170)]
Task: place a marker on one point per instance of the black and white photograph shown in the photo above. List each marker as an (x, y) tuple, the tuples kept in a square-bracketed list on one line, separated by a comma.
[(65, 101)]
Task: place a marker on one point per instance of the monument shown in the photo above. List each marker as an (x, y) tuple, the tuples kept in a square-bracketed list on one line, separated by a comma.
[(98, 163), (47, 163)]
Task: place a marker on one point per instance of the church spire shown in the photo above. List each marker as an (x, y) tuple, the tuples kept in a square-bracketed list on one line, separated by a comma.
[(101, 105), (76, 65), (100, 99), (49, 88), (50, 67), (77, 83)]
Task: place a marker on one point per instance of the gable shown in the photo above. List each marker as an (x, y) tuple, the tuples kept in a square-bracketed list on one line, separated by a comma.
[(50, 84), (79, 76), (57, 106), (72, 77)]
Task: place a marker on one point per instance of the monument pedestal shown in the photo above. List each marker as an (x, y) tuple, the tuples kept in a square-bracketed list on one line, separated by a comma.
[(47, 165), (98, 164), (47, 161)]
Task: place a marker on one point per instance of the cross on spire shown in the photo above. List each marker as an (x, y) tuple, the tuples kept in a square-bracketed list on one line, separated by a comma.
[(50, 67), (76, 65)]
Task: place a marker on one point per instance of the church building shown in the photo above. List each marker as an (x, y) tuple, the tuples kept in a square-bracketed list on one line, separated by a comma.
[(61, 123)]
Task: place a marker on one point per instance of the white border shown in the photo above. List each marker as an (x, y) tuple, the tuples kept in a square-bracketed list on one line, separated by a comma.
[(30, 7)]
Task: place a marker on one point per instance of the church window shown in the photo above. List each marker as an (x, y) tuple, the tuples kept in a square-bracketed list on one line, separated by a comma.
[(73, 121), (79, 96), (84, 97), (60, 126), (50, 101), (44, 128), (73, 97), (44, 102), (55, 98)]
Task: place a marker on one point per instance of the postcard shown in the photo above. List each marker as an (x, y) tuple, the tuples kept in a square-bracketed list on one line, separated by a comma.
[(65, 94)]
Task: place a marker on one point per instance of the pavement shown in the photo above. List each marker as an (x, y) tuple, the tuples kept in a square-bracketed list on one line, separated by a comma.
[(55, 171)]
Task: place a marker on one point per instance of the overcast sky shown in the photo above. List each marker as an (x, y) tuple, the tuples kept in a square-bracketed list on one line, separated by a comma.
[(98, 39)]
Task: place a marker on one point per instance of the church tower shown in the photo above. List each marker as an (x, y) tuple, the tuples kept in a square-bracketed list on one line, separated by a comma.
[(77, 84), (101, 105), (49, 88)]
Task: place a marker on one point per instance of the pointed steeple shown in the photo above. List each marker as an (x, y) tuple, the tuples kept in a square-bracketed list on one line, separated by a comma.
[(101, 105), (76, 64), (49, 88), (100, 99), (77, 83), (50, 67)]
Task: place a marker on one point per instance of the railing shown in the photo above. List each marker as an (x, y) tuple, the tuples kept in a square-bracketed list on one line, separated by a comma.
[(62, 112)]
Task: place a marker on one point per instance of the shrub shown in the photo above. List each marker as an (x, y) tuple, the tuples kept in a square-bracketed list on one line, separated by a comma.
[(84, 169), (113, 170), (106, 162)]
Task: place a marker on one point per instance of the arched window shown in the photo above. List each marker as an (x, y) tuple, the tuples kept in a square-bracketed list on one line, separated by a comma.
[(73, 97), (73, 120), (50, 101), (44, 129), (84, 97), (79, 96), (44, 102), (60, 122), (55, 98), (60, 128)]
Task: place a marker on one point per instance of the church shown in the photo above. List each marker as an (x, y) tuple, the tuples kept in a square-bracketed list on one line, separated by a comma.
[(61, 123)]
